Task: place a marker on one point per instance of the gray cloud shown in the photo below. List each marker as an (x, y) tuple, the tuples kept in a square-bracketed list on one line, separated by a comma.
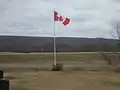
[(89, 18)]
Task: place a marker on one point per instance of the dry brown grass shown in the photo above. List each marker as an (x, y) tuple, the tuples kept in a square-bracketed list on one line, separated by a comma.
[(81, 72), (72, 80)]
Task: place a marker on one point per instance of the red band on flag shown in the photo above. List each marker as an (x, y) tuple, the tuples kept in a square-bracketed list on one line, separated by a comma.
[(67, 21), (56, 18)]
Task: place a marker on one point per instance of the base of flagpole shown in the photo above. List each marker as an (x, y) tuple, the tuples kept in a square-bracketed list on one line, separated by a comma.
[(57, 67)]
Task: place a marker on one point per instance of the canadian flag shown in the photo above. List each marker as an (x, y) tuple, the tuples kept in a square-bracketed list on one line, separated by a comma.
[(65, 21)]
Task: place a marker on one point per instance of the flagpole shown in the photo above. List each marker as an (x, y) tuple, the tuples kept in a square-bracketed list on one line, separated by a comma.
[(54, 62)]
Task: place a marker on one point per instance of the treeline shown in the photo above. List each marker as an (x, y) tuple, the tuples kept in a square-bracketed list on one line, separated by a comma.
[(61, 48), (63, 44), (95, 48)]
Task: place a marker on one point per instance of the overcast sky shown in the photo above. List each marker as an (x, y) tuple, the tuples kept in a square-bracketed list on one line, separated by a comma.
[(89, 18)]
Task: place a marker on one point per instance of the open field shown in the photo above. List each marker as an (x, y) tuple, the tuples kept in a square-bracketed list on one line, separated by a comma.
[(81, 72)]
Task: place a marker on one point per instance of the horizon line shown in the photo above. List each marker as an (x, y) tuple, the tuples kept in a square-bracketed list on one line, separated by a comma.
[(56, 36)]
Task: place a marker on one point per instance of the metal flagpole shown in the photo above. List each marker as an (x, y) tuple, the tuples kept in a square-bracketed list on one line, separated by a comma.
[(54, 45)]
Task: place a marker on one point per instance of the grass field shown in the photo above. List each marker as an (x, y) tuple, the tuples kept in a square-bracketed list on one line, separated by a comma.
[(81, 72)]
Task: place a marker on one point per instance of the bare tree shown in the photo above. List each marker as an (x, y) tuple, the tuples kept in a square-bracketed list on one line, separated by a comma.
[(116, 34), (116, 30)]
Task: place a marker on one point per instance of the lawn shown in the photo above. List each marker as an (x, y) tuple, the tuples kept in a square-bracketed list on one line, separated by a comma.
[(81, 72)]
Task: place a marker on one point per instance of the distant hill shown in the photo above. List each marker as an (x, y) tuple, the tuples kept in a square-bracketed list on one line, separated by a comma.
[(40, 44)]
